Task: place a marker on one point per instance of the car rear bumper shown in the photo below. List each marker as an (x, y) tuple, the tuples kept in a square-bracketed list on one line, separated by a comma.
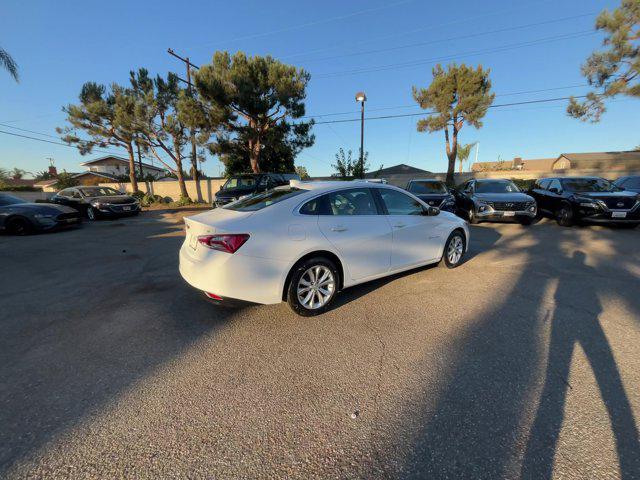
[(233, 276)]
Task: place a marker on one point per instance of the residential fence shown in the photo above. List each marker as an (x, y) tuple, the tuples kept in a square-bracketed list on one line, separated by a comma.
[(171, 188)]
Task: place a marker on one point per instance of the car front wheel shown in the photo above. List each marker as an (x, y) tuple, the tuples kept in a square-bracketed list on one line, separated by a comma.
[(91, 214), (19, 226), (453, 250), (564, 216), (313, 286)]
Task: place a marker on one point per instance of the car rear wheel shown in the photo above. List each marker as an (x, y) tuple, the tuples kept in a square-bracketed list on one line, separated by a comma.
[(453, 250), (19, 226), (471, 215), (91, 214), (313, 286), (564, 216)]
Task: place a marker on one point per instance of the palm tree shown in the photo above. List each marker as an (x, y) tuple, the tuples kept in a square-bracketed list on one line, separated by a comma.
[(9, 63)]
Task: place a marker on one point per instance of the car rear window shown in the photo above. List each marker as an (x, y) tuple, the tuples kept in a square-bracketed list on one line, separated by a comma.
[(263, 200), (427, 187)]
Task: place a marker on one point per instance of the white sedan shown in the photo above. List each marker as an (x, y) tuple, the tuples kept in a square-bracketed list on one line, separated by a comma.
[(304, 242)]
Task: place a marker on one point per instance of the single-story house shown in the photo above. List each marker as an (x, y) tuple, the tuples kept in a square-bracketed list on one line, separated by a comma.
[(536, 164), (629, 160), (401, 169), (83, 178), (116, 166)]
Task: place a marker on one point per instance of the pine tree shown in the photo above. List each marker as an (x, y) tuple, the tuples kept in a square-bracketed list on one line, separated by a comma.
[(459, 95), (615, 70)]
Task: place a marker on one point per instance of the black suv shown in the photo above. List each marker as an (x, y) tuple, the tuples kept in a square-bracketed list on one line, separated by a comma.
[(433, 192), (239, 186), (494, 200), (586, 199)]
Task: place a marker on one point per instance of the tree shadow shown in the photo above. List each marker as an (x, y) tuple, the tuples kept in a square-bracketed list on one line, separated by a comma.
[(570, 328), (475, 428)]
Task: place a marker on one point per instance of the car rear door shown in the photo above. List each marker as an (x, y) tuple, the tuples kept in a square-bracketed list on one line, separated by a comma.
[(553, 196), (417, 238), (351, 221), (539, 193)]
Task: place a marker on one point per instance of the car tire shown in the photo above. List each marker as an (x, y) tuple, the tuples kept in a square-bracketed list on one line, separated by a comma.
[(19, 226), (564, 215), (471, 215), (91, 214), (304, 276), (454, 249)]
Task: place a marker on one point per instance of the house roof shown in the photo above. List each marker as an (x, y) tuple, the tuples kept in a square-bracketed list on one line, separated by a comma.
[(111, 158), (21, 182), (602, 159), (108, 176), (397, 170)]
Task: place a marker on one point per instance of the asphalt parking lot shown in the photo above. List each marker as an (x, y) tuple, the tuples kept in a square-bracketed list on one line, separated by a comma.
[(522, 363)]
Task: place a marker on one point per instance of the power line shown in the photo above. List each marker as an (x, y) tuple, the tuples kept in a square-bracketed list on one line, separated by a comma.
[(404, 115), (450, 39), (309, 24), (414, 63), (417, 106), (417, 30), (49, 141)]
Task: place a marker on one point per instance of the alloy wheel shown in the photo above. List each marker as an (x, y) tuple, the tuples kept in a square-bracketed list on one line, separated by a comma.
[(455, 249), (316, 287)]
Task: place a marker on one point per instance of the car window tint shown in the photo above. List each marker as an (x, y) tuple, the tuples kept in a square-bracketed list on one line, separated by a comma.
[(632, 182), (76, 194), (427, 187), (554, 184), (356, 201), (263, 200), (398, 203), (543, 184), (312, 207)]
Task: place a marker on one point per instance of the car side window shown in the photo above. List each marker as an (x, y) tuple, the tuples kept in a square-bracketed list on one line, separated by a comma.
[(355, 201), (75, 194), (397, 203), (543, 184), (555, 183), (312, 207), (468, 188)]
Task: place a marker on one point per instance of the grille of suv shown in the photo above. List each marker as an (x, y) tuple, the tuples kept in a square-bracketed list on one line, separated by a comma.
[(613, 203), (509, 206)]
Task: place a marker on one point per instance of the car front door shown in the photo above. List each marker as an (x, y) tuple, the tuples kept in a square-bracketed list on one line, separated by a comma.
[(539, 193), (417, 238), (553, 197), (353, 224)]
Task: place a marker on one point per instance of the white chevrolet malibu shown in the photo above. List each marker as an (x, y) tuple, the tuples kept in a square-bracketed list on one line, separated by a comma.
[(303, 243)]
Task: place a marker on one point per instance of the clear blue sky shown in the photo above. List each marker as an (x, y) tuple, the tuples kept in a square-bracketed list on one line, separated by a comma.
[(60, 45)]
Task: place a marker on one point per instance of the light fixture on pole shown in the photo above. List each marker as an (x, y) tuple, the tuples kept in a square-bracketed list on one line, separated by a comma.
[(361, 97)]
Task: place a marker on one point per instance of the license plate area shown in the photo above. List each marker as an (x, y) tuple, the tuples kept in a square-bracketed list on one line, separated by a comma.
[(618, 214), (509, 214), (126, 209)]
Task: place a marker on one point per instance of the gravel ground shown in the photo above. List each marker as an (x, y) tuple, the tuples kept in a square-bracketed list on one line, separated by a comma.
[(522, 363)]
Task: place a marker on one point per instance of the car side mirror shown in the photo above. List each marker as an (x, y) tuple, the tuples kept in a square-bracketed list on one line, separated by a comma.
[(431, 211)]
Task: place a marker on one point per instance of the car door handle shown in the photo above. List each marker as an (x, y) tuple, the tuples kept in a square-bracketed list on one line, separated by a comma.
[(398, 225), (338, 228)]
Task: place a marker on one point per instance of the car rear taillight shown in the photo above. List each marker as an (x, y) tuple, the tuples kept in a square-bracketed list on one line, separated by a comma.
[(213, 296), (225, 242)]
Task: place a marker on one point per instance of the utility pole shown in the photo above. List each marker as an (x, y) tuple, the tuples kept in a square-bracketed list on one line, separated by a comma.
[(194, 156)]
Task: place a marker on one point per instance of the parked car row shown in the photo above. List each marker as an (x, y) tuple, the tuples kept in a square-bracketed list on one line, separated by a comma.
[(66, 208), (568, 200)]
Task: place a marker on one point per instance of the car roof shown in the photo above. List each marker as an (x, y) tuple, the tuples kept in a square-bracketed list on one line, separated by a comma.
[(482, 180), (317, 186), (425, 180)]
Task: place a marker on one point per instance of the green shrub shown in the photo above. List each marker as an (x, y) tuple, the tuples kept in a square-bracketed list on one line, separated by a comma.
[(184, 201)]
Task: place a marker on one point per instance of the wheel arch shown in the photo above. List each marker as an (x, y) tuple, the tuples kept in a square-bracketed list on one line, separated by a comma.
[(316, 253)]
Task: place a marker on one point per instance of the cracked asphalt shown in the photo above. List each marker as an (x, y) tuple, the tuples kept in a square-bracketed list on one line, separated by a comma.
[(524, 362)]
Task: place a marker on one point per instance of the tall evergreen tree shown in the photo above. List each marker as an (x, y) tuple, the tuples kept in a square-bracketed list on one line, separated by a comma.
[(616, 69), (459, 95), (254, 95), (107, 118)]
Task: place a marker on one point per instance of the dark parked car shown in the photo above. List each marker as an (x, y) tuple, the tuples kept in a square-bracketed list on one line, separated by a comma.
[(433, 192), (20, 217), (586, 199), (239, 186), (495, 200), (95, 202), (630, 182)]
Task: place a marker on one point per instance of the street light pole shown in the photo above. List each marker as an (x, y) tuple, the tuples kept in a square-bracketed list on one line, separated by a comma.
[(361, 97)]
